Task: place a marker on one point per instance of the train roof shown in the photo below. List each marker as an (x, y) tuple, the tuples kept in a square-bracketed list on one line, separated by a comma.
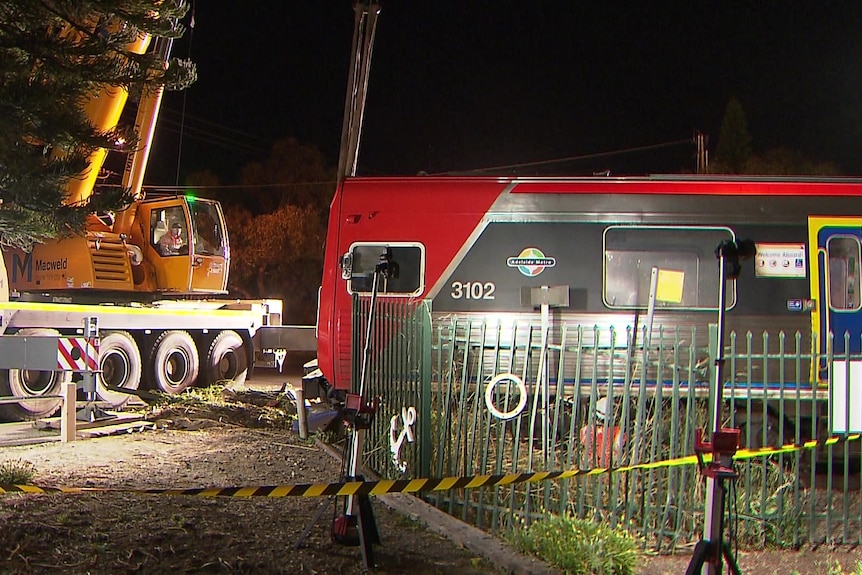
[(661, 184)]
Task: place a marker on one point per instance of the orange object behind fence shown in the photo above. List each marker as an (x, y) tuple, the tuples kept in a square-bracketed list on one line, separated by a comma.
[(598, 446)]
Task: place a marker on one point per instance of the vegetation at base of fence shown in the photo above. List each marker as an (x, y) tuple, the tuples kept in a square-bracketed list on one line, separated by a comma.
[(664, 506), (17, 472), (210, 395), (764, 514), (579, 545)]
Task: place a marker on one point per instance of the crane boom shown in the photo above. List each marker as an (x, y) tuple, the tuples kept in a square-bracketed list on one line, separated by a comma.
[(364, 28)]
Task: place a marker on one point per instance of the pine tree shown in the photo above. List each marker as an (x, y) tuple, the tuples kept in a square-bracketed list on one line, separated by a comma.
[(55, 55), (734, 140)]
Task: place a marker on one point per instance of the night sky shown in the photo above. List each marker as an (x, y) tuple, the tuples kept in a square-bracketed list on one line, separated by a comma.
[(459, 86)]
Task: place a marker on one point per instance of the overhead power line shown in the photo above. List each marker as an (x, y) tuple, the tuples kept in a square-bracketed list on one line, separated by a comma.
[(202, 135), (570, 158), (182, 189), (217, 125)]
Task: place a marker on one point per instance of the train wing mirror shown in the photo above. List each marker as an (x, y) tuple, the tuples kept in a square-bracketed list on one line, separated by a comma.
[(347, 266)]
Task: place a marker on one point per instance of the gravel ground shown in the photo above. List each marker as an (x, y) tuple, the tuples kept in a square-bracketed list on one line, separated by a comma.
[(123, 532)]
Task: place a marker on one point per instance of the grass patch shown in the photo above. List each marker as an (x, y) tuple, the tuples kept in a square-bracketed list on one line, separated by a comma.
[(579, 546), (835, 569), (765, 509), (193, 396), (244, 408), (17, 472)]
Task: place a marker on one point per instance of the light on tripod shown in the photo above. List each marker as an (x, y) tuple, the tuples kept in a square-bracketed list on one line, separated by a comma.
[(712, 550), (733, 253)]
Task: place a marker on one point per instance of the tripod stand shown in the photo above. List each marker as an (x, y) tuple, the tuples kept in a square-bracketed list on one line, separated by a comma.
[(358, 514), (356, 526), (712, 550), (358, 416)]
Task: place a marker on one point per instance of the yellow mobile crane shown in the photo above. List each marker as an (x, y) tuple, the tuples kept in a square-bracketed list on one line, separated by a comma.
[(152, 275), (122, 254)]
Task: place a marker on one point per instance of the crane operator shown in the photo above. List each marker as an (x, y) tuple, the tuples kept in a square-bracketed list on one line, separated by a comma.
[(171, 242)]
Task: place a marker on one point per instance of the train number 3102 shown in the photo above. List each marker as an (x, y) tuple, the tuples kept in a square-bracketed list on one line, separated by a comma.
[(473, 290)]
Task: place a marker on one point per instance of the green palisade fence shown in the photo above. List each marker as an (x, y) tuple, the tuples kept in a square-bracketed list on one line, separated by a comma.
[(399, 373), (599, 397)]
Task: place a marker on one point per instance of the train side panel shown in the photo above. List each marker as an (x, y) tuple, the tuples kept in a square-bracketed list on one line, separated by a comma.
[(483, 244)]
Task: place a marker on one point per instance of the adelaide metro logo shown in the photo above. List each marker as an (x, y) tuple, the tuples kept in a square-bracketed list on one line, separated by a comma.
[(531, 262)]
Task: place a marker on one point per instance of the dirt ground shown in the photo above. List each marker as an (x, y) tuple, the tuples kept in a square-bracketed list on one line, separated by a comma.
[(117, 532), (130, 533)]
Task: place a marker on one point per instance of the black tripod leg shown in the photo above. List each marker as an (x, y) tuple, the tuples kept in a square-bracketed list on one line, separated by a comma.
[(701, 555), (370, 521), (368, 535), (318, 514), (731, 561), (698, 557)]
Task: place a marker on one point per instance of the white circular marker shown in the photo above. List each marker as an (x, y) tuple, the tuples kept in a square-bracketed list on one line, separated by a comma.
[(522, 400)]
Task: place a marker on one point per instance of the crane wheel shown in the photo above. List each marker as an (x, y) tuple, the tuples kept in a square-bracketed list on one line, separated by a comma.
[(226, 359), (174, 361), (120, 365), (29, 382)]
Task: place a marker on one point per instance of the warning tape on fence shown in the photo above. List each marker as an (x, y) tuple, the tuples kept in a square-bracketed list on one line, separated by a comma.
[(386, 486)]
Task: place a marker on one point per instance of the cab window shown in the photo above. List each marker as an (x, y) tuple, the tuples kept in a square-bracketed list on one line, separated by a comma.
[(207, 236), (169, 235), (404, 265)]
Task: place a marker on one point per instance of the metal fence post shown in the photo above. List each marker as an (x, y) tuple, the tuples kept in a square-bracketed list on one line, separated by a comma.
[(424, 313)]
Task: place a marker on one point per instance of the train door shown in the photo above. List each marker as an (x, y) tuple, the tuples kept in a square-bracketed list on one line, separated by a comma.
[(836, 279)]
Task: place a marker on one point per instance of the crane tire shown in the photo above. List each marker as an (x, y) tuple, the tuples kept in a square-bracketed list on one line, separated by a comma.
[(174, 361), (29, 382), (226, 359), (119, 365)]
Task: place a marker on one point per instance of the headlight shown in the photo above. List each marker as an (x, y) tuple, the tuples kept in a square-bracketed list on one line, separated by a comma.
[(136, 256)]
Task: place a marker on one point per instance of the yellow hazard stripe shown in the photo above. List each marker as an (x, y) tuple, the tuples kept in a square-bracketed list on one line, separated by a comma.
[(385, 486), (790, 447)]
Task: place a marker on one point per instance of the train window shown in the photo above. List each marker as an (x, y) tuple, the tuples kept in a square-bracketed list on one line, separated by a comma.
[(844, 273), (405, 262), (631, 253)]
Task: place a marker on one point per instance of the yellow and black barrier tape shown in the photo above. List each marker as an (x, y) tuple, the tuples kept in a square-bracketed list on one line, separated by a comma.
[(385, 486)]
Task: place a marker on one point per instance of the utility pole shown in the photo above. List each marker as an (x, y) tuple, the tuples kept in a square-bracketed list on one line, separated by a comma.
[(701, 141), (364, 26)]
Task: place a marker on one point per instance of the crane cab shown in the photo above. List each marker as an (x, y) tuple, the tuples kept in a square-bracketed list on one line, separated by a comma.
[(174, 245), (185, 245)]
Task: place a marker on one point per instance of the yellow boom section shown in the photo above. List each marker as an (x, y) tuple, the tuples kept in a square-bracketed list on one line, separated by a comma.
[(103, 111)]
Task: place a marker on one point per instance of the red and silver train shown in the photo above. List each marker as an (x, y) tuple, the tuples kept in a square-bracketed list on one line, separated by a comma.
[(473, 245)]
